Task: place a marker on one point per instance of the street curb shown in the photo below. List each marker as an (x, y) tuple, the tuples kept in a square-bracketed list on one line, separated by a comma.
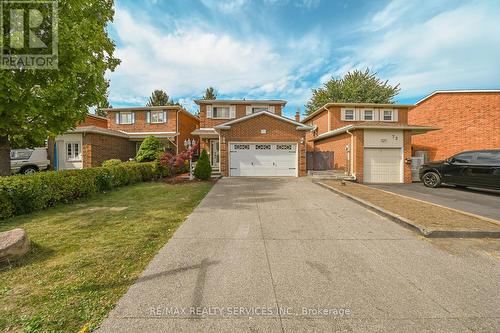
[(410, 224)]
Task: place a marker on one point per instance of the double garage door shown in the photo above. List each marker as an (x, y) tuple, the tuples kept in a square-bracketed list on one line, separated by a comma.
[(383, 165), (262, 159)]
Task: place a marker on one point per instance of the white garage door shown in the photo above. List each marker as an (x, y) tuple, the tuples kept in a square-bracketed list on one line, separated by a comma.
[(263, 159), (382, 165)]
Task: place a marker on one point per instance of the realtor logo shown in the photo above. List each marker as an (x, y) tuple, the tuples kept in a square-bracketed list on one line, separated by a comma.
[(28, 38)]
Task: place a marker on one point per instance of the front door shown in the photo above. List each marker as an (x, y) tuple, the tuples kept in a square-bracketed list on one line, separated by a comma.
[(214, 153)]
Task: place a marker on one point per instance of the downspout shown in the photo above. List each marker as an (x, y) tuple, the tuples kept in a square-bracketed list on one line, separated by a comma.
[(177, 131), (351, 155)]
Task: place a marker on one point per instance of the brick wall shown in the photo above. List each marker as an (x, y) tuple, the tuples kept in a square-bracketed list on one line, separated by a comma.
[(321, 121), (468, 121), (187, 125), (336, 121), (337, 145), (91, 120), (249, 131), (141, 124), (98, 147), (240, 112)]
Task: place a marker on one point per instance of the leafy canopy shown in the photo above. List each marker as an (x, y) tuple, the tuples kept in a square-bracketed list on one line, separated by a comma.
[(159, 98), (355, 87), (151, 148)]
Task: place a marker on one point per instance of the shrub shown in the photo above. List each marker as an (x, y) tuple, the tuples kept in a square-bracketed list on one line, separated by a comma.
[(111, 162), (151, 148), (22, 194), (203, 169)]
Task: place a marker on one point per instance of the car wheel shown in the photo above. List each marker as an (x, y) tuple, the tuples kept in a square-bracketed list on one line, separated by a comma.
[(431, 179), (29, 170)]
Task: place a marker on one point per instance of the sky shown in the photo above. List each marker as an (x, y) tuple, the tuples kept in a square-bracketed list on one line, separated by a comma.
[(282, 49)]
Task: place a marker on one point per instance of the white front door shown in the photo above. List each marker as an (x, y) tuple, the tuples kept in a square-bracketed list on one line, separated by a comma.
[(263, 159), (214, 153), (383, 165)]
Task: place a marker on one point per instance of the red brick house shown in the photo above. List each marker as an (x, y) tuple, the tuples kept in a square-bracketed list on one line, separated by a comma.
[(370, 142), (119, 135), (468, 120), (252, 138)]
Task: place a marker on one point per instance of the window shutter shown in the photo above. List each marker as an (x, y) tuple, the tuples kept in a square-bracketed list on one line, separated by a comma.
[(342, 114), (209, 111), (133, 117), (232, 111), (148, 117), (358, 114), (248, 110), (395, 114), (118, 118), (376, 113), (271, 109), (165, 116)]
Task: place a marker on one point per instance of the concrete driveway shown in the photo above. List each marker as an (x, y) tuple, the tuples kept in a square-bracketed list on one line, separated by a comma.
[(480, 202), (285, 255)]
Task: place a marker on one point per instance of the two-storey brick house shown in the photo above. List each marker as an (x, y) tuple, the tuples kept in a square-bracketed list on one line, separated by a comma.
[(252, 138), (120, 134), (370, 142)]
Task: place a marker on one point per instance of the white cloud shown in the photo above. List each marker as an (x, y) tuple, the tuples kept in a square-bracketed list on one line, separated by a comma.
[(185, 62), (458, 48), (225, 6)]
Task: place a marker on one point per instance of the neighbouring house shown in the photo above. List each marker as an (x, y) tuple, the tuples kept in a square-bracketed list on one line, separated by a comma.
[(119, 135), (370, 142), (252, 138), (468, 120)]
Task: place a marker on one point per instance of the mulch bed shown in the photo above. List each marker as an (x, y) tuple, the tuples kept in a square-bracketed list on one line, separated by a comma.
[(427, 215)]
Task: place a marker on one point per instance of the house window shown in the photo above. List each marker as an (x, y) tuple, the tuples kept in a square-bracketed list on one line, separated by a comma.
[(157, 117), (126, 118), (220, 112), (73, 151), (259, 109), (368, 114), (388, 115), (349, 114), (262, 147)]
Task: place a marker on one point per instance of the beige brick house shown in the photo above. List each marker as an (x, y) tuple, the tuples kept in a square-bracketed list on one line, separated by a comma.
[(252, 138), (370, 142), (120, 134)]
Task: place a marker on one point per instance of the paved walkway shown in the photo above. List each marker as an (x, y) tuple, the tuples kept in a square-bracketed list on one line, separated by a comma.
[(254, 246)]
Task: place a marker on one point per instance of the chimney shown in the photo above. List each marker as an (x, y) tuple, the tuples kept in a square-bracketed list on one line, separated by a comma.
[(297, 115)]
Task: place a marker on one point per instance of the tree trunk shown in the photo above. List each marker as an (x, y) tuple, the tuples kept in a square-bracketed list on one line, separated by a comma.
[(4, 155)]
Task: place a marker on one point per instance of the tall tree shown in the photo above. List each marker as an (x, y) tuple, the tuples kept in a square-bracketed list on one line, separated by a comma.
[(159, 98), (104, 105), (355, 87), (210, 93), (36, 103)]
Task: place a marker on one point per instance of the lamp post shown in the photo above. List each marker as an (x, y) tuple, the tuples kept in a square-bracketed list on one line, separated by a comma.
[(189, 144)]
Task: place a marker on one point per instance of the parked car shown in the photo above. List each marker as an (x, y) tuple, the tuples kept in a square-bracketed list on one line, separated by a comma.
[(478, 168), (28, 160)]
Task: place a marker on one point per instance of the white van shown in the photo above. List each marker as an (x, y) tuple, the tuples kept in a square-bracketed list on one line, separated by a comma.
[(28, 160)]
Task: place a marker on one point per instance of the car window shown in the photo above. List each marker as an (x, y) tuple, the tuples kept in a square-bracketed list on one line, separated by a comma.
[(20, 154), (463, 158), (488, 157)]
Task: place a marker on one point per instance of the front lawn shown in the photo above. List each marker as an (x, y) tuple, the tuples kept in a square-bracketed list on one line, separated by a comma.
[(85, 255)]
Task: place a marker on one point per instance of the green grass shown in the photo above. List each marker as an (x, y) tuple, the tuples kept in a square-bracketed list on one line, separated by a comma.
[(85, 255)]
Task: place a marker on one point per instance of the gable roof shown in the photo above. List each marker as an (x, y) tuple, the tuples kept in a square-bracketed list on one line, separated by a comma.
[(356, 105), (457, 92), (227, 125), (240, 101)]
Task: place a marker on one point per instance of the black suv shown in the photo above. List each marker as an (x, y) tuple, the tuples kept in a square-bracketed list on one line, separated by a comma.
[(479, 168)]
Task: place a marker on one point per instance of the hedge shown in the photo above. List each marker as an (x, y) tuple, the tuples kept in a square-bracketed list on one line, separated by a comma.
[(22, 194)]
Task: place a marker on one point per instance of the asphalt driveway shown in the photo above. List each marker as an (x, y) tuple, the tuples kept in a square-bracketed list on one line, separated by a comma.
[(480, 202), (286, 255)]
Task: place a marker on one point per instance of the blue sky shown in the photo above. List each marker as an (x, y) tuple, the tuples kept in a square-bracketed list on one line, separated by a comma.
[(263, 49)]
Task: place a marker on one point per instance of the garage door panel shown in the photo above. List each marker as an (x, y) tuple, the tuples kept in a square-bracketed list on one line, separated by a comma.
[(262, 159), (382, 165)]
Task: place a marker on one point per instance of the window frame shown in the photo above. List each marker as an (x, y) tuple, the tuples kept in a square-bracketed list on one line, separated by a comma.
[(73, 157), (387, 110), (215, 107), (353, 114), (122, 113), (162, 113), (263, 109), (372, 114)]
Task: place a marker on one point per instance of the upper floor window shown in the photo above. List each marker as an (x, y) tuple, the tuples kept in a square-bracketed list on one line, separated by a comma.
[(388, 115), (256, 109), (348, 114), (73, 151), (158, 117), (368, 114), (125, 118), (220, 112)]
